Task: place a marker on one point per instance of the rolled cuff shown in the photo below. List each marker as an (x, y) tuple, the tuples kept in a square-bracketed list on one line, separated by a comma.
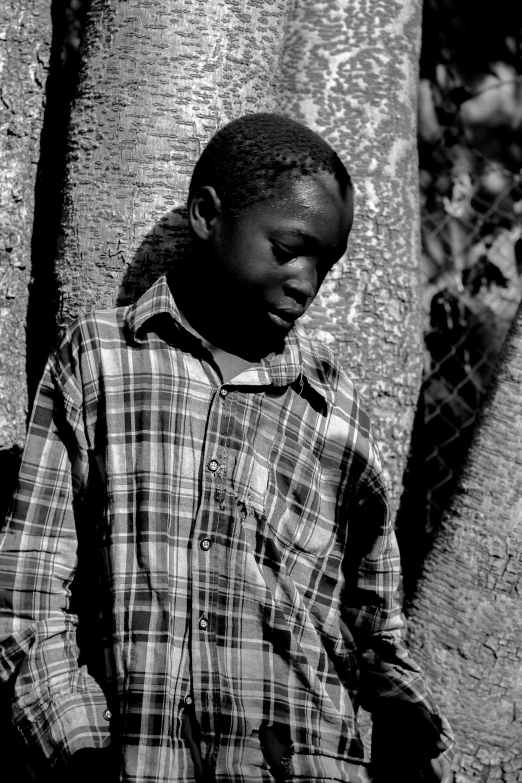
[(79, 720)]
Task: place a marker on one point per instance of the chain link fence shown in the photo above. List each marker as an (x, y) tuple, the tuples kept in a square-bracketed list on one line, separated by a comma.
[(471, 268)]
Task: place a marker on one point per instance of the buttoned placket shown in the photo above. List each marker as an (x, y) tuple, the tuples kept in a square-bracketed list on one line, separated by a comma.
[(205, 558)]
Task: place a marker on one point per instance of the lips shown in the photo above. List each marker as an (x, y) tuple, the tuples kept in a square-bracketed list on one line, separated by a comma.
[(288, 315)]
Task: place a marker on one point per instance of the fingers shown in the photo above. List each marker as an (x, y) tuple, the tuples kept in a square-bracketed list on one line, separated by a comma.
[(437, 771)]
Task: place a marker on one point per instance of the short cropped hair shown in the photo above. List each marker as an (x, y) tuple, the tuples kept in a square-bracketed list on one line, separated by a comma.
[(248, 158)]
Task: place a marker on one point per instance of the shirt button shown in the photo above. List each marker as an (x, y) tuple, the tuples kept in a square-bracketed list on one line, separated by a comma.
[(205, 544), (213, 465), (188, 700), (203, 623), (107, 714), (223, 392)]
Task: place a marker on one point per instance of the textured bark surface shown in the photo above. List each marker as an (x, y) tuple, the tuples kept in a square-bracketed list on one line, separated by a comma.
[(25, 51), (158, 79), (466, 620), (25, 45), (350, 72)]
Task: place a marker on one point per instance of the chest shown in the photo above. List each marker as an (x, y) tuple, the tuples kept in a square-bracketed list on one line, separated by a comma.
[(174, 444)]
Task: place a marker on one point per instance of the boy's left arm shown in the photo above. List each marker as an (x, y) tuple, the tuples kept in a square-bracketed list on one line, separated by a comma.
[(409, 730)]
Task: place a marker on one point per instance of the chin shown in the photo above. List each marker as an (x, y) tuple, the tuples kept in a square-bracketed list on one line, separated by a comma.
[(279, 325), (267, 336)]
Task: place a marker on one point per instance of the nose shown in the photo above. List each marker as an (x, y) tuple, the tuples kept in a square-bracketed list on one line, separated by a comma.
[(301, 284)]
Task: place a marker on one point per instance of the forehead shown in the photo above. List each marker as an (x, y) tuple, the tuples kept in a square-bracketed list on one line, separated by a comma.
[(311, 205)]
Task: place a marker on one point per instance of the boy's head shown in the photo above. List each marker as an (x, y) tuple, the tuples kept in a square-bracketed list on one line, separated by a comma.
[(271, 208), (249, 157)]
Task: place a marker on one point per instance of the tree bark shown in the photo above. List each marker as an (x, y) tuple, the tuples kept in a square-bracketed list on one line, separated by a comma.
[(25, 46), (466, 619), (25, 51), (158, 79), (350, 71)]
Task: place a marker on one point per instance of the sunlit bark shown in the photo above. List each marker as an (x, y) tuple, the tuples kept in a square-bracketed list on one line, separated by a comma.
[(25, 44), (158, 79), (350, 70), (466, 619)]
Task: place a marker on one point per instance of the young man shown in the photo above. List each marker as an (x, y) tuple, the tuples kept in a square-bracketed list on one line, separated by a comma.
[(201, 489)]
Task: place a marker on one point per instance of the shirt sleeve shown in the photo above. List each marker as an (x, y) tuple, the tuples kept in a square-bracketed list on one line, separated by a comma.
[(374, 617), (57, 706)]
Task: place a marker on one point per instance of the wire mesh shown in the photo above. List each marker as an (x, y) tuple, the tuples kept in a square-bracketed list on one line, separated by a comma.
[(471, 265)]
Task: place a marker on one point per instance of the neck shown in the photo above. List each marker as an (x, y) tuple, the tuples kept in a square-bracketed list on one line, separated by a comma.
[(204, 313)]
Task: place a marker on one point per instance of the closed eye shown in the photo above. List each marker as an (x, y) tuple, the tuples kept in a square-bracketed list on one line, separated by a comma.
[(283, 254)]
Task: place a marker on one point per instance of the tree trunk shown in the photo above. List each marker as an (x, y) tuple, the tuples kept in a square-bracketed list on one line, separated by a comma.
[(25, 49), (466, 619), (350, 71), (157, 80), (25, 45)]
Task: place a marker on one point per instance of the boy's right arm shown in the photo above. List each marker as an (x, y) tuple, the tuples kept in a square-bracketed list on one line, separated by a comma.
[(410, 735), (57, 706)]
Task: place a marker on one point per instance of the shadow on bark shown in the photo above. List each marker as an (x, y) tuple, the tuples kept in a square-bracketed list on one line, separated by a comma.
[(41, 315), (158, 252), (422, 504), (43, 290), (413, 539)]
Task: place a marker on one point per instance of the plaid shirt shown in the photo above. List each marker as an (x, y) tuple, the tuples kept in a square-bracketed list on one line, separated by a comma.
[(226, 546)]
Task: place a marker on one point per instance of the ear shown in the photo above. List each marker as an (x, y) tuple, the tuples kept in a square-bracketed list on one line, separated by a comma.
[(204, 211)]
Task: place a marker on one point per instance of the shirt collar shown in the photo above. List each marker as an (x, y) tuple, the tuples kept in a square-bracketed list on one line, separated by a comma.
[(157, 300), (297, 363)]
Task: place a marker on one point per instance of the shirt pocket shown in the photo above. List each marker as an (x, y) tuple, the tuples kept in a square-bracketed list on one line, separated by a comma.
[(302, 500)]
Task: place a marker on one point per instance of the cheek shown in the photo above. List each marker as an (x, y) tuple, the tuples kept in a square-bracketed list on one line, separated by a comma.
[(252, 270), (248, 267), (240, 260)]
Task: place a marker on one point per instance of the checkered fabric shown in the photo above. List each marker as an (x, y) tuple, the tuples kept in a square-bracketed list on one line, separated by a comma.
[(224, 546)]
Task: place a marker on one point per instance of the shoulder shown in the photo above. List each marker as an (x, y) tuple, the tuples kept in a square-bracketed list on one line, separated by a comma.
[(96, 327), (92, 333), (325, 372), (349, 430), (76, 360)]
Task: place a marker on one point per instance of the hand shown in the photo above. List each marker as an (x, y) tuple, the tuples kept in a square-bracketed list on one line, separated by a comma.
[(406, 744), (392, 770), (438, 771), (92, 765)]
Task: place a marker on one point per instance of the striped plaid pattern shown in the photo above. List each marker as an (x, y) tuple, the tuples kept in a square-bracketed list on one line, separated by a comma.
[(225, 546)]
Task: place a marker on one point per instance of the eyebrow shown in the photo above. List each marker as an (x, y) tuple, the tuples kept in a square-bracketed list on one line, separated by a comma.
[(295, 232), (280, 232)]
